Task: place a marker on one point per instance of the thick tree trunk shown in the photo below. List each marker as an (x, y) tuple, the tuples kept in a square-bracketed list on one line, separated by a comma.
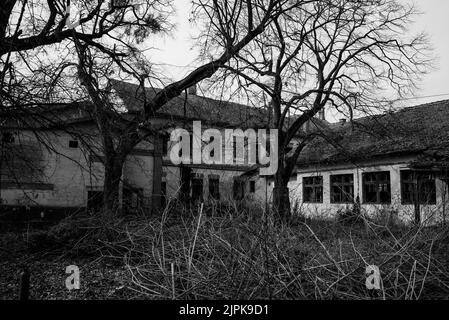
[(281, 194), (111, 191)]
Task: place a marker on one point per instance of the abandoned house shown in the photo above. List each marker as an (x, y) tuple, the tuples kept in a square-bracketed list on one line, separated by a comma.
[(394, 164), (61, 171)]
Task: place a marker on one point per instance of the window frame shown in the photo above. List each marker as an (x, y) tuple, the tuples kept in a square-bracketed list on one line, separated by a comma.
[(194, 185), (410, 181), (341, 184), (238, 189), (377, 182), (313, 185), (72, 143), (211, 194)]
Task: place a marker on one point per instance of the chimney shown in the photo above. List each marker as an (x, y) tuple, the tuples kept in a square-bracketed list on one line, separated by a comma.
[(192, 90)]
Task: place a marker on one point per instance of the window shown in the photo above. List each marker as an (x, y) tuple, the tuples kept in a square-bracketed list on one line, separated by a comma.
[(342, 188), (73, 144), (214, 188), (421, 184), (197, 189), (252, 186), (376, 187), (165, 141), (7, 137), (313, 189), (239, 189)]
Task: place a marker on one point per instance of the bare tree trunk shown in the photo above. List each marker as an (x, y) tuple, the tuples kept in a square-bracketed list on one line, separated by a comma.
[(281, 194), (111, 193)]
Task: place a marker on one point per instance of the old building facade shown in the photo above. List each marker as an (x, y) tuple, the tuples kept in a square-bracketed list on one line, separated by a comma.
[(48, 167), (395, 164)]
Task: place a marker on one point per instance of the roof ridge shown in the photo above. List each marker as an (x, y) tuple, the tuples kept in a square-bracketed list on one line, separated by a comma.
[(198, 96)]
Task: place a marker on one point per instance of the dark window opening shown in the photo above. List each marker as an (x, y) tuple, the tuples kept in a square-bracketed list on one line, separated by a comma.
[(252, 186), (186, 173), (239, 189), (132, 198), (197, 190), (73, 144), (419, 187), (313, 189), (7, 137), (214, 188), (165, 141), (342, 188), (212, 152), (376, 187)]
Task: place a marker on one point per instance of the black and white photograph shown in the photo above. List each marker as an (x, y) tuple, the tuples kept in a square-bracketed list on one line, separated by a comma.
[(237, 151)]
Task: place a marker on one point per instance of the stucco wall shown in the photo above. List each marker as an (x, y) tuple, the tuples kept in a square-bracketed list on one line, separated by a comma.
[(430, 213), (172, 177)]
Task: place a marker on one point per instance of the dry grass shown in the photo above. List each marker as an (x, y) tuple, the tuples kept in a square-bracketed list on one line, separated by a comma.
[(242, 253)]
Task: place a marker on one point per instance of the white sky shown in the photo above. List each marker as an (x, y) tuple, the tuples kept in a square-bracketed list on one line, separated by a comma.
[(177, 55)]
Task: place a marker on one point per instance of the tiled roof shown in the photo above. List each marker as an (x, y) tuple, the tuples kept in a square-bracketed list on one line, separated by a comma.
[(196, 107), (421, 130)]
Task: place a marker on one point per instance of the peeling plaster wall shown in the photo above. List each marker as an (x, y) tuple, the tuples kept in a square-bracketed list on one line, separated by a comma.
[(405, 213)]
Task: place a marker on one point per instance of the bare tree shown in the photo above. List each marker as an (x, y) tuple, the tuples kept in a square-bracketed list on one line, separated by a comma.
[(231, 25), (328, 54), (35, 37)]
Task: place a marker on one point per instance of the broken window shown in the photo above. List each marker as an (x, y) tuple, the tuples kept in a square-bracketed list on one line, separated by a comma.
[(342, 188), (418, 186), (214, 188), (376, 187), (313, 189)]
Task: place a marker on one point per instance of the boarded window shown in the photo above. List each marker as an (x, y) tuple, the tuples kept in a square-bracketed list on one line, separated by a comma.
[(376, 187), (342, 188), (214, 188), (419, 187), (313, 189)]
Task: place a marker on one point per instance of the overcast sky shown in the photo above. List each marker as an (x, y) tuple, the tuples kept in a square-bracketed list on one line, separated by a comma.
[(177, 54)]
